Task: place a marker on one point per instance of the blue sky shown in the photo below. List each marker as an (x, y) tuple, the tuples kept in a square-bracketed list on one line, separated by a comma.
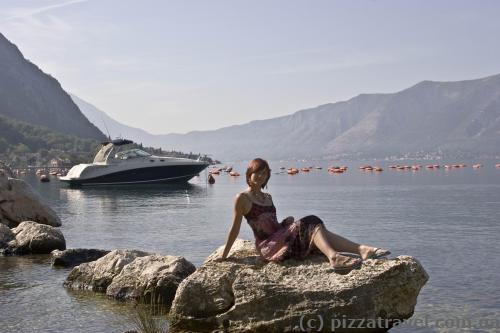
[(177, 66)]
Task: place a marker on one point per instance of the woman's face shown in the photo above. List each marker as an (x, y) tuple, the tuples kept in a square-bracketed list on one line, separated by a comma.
[(259, 178)]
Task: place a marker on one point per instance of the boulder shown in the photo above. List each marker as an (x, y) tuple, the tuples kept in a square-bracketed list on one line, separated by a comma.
[(6, 236), (75, 257), (128, 274), (34, 238), (246, 294), (18, 202), (151, 276), (98, 275)]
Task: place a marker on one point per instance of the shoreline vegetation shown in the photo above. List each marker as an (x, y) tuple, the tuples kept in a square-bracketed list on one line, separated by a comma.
[(24, 144)]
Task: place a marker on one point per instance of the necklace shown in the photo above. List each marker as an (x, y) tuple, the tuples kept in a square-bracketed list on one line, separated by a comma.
[(260, 198)]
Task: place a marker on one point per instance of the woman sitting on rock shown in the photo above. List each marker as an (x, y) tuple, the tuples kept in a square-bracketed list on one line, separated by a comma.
[(289, 239)]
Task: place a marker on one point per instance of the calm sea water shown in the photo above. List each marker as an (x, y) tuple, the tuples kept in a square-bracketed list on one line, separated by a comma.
[(449, 220)]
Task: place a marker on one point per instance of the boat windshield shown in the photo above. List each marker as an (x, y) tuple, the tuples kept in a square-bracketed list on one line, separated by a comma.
[(132, 153), (103, 153)]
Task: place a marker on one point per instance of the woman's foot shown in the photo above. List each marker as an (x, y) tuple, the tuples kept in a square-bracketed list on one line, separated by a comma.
[(369, 252), (341, 262)]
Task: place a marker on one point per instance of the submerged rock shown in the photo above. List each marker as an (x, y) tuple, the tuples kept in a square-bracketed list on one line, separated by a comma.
[(75, 257), (18, 202), (127, 274), (245, 293), (33, 238)]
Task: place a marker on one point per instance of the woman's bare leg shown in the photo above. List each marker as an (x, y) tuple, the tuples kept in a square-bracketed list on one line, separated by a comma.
[(322, 242), (342, 244)]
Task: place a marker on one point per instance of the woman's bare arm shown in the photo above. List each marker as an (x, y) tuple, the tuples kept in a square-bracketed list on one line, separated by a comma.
[(240, 207)]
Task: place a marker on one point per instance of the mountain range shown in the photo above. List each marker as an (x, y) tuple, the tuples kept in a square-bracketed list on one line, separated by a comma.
[(440, 118), (27, 94)]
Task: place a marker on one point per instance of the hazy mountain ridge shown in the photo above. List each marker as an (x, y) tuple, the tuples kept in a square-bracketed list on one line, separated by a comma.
[(107, 124), (30, 95), (439, 117), (429, 116)]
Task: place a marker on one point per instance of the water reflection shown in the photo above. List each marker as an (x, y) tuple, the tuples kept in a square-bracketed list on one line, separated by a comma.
[(136, 191), (115, 198)]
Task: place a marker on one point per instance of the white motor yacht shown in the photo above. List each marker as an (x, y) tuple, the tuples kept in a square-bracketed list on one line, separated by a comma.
[(118, 163)]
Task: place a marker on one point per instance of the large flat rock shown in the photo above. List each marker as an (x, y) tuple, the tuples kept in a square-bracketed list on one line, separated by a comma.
[(246, 294)]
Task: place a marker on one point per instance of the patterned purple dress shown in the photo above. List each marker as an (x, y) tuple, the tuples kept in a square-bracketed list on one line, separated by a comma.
[(279, 241)]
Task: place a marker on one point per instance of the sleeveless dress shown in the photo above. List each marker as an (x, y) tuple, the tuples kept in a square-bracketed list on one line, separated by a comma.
[(279, 241)]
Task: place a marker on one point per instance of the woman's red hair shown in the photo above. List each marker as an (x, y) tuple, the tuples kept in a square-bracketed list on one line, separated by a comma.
[(257, 165)]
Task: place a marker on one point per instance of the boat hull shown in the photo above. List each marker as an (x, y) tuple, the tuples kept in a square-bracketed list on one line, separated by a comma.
[(151, 175)]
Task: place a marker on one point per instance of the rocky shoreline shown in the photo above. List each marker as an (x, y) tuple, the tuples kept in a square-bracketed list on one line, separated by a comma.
[(27, 225), (241, 294)]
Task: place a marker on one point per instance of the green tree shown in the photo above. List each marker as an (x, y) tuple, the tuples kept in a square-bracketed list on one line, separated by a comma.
[(21, 149)]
